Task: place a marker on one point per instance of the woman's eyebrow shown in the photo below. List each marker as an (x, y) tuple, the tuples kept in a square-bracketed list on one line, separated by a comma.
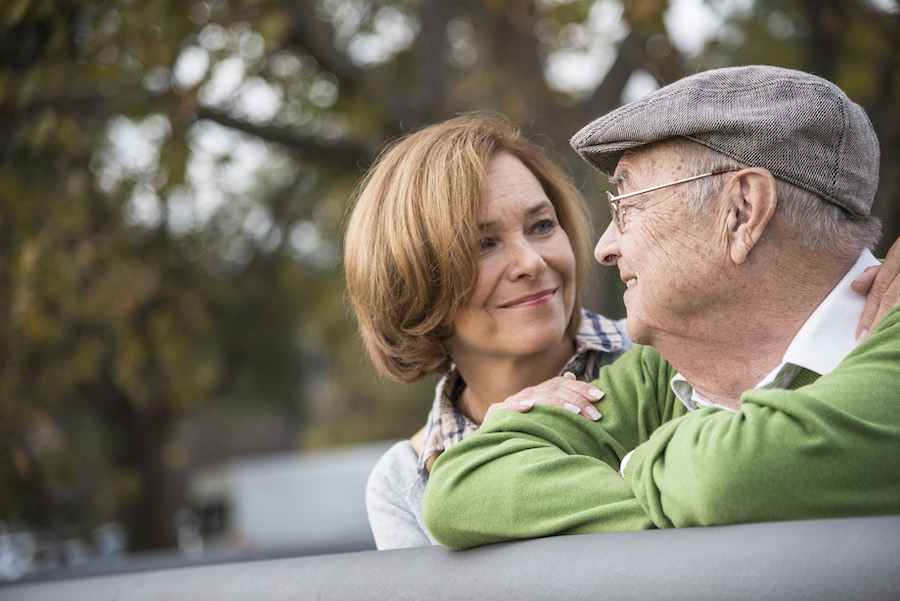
[(541, 205)]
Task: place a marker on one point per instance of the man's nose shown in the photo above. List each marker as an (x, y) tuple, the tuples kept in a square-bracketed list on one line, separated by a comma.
[(607, 250)]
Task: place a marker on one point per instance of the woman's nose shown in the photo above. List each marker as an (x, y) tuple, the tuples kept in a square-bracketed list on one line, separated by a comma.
[(526, 261)]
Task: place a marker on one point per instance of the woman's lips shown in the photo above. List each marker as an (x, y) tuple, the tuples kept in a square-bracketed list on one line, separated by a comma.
[(532, 300)]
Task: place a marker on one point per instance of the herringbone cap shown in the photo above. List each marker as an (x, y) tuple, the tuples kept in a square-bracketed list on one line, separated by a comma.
[(802, 128)]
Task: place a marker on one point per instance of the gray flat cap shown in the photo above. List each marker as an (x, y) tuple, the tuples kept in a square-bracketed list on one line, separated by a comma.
[(802, 128)]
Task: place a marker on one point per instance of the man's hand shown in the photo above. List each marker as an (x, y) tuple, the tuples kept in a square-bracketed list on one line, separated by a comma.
[(565, 392), (882, 287)]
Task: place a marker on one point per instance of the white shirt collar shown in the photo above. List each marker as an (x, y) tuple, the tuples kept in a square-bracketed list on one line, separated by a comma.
[(821, 343)]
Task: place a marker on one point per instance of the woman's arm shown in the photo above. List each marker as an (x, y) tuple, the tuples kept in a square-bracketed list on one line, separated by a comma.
[(394, 500)]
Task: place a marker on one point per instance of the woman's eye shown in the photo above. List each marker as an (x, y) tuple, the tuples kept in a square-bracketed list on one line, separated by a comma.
[(544, 226), (487, 244)]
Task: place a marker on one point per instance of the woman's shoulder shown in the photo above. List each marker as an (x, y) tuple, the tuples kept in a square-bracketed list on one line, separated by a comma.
[(395, 480), (600, 333), (397, 465)]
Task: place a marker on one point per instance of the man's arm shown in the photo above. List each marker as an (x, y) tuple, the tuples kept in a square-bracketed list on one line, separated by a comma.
[(550, 471), (828, 449)]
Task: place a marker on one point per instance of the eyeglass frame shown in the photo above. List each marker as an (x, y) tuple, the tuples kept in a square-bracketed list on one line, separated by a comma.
[(618, 212)]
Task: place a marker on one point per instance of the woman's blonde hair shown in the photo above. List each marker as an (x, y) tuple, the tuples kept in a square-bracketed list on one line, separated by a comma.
[(411, 245)]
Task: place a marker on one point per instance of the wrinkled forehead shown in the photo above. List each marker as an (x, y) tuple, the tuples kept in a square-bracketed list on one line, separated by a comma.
[(640, 164)]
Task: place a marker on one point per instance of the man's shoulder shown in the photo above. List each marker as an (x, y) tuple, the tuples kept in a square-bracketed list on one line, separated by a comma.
[(645, 359), (890, 322), (640, 382)]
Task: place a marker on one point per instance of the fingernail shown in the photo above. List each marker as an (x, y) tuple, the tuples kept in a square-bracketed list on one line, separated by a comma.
[(862, 336), (596, 393), (569, 375), (571, 407), (592, 412), (526, 403)]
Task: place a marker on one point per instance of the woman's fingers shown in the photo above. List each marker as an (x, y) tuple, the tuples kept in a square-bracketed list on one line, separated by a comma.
[(564, 392)]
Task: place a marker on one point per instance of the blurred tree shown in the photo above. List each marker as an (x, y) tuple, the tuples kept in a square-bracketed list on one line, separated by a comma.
[(173, 177)]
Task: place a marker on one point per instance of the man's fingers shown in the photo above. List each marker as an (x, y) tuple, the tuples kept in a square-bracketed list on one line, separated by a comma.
[(863, 282), (883, 291), (890, 299)]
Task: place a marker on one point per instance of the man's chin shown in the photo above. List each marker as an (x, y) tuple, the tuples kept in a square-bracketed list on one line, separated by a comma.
[(636, 329)]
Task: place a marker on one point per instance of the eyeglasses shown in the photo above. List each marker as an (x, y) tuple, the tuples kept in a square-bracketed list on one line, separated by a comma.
[(618, 211)]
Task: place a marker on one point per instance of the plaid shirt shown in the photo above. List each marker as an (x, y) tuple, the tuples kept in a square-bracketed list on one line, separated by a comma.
[(599, 342)]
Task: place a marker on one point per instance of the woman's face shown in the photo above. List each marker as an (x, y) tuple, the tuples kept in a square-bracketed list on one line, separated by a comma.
[(525, 293)]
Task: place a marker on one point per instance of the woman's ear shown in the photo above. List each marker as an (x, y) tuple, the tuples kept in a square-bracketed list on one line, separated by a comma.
[(750, 202)]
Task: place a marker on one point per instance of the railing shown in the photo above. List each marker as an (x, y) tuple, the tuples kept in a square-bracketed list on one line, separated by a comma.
[(854, 559)]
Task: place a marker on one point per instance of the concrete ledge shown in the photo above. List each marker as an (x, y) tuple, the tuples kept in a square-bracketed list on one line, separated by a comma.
[(856, 558)]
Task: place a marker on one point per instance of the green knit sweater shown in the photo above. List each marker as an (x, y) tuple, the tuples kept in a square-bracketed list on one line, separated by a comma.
[(830, 448)]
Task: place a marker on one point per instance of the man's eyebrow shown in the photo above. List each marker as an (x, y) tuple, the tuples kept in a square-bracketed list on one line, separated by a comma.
[(534, 210), (619, 178)]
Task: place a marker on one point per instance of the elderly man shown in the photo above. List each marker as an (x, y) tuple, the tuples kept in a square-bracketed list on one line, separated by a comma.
[(742, 218)]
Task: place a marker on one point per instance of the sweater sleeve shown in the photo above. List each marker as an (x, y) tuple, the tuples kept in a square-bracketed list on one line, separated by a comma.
[(549, 471), (393, 499), (825, 450)]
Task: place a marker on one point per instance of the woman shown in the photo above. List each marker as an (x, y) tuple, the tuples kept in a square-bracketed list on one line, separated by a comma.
[(465, 255)]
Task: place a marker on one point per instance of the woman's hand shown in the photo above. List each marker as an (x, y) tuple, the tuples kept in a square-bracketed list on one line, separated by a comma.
[(565, 392), (882, 286)]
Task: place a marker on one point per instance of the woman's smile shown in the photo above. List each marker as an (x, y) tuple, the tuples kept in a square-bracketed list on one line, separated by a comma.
[(532, 300)]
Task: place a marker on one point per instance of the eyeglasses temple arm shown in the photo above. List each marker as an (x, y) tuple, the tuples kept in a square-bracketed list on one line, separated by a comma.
[(659, 187)]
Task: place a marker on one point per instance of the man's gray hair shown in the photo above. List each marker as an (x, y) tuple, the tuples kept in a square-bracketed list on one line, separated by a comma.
[(823, 226)]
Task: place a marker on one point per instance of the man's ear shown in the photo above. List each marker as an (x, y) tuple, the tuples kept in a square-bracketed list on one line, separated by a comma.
[(750, 202)]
